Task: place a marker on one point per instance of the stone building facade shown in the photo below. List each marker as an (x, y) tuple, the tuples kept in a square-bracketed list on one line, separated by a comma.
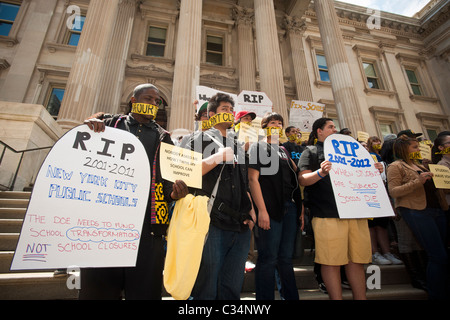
[(63, 60)]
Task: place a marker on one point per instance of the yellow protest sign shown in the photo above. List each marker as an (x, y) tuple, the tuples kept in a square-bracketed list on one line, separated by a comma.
[(305, 136), (363, 136), (441, 176), (247, 133), (425, 150), (181, 164)]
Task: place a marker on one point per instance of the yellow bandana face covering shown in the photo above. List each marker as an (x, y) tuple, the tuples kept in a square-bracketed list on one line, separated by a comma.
[(145, 109), (445, 151), (221, 118), (415, 156), (205, 124), (273, 131)]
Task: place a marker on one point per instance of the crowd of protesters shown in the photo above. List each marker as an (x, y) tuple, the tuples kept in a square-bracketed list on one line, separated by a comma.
[(262, 190)]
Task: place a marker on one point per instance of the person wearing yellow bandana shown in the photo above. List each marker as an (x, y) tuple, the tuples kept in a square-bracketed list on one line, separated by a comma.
[(144, 281), (379, 226), (275, 191), (374, 147), (338, 242), (245, 117), (293, 145), (423, 207), (221, 272), (440, 154), (201, 122)]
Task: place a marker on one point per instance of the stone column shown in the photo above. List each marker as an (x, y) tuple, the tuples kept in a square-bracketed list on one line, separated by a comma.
[(345, 97), (295, 28), (187, 65), (83, 85), (269, 56), (247, 65), (22, 67), (108, 99)]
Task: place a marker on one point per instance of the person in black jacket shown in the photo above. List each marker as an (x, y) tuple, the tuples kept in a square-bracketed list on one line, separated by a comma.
[(222, 268), (144, 281), (275, 191)]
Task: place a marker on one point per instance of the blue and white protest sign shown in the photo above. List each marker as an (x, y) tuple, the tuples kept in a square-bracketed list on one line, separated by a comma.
[(88, 203), (357, 185)]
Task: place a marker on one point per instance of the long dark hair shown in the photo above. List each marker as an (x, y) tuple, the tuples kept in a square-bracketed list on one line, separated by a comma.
[(401, 146), (318, 124), (439, 141)]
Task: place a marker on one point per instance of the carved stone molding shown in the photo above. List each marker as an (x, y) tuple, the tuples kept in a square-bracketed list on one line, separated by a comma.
[(243, 15), (294, 24)]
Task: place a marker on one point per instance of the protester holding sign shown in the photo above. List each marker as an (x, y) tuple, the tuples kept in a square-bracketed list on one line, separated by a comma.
[(294, 143), (145, 280), (221, 273), (276, 197), (379, 226), (422, 206), (441, 154), (337, 241)]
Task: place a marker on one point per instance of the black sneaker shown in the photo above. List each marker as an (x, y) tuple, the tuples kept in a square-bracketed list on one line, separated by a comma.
[(322, 288)]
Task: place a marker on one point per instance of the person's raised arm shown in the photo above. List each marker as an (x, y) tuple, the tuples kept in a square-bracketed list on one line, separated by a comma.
[(308, 177), (95, 122), (223, 155)]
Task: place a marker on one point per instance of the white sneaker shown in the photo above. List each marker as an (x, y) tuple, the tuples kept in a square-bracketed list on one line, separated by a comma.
[(378, 258), (392, 258)]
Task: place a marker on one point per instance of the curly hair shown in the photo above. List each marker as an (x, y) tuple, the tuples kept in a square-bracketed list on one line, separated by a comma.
[(216, 99)]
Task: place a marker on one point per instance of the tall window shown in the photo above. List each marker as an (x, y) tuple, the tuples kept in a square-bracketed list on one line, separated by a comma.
[(8, 13), (156, 42), (371, 75), (432, 134), (414, 82), (214, 50), (386, 128), (54, 101), (323, 67), (75, 32)]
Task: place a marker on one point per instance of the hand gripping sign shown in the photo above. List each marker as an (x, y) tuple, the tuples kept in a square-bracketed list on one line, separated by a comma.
[(88, 203), (357, 185)]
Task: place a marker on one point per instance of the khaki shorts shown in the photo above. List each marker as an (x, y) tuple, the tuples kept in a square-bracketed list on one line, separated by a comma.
[(339, 241)]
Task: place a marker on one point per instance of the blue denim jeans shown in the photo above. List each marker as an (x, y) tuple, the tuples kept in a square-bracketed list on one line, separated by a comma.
[(222, 268), (429, 228), (275, 251)]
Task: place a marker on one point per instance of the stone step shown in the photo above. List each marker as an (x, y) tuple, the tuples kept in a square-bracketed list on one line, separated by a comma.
[(15, 195), (14, 203), (10, 225), (12, 213), (35, 286), (389, 275), (45, 286), (386, 292), (8, 241)]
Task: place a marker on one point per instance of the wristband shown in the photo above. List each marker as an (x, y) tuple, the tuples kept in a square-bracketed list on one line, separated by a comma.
[(319, 174)]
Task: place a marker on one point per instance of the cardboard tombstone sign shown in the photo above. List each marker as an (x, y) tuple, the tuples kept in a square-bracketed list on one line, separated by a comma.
[(358, 188), (88, 203)]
